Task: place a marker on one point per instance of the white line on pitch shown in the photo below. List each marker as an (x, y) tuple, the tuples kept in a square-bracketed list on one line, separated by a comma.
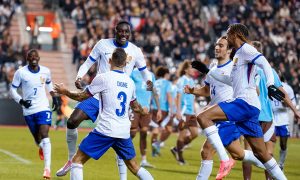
[(15, 156)]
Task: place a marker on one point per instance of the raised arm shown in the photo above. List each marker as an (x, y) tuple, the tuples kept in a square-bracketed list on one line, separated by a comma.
[(78, 96)]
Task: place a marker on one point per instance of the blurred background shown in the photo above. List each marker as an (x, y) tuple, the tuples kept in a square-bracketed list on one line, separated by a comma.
[(168, 31)]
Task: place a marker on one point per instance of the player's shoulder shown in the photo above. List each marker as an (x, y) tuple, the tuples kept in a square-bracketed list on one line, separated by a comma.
[(44, 69), (134, 47), (247, 48)]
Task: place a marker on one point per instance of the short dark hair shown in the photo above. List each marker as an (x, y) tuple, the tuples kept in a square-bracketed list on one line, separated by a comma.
[(161, 71), (31, 51), (119, 57), (240, 30), (123, 22)]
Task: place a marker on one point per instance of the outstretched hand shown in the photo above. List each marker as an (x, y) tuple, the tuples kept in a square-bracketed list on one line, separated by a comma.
[(60, 89), (149, 85), (78, 83), (188, 90)]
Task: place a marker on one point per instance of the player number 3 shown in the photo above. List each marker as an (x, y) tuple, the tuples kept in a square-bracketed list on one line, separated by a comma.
[(121, 96)]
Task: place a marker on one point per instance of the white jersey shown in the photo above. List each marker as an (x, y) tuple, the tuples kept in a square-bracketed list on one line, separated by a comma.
[(104, 49), (218, 90), (116, 90), (33, 88), (281, 116), (243, 74)]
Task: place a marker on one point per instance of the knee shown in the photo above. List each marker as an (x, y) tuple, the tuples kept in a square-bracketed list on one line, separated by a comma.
[(202, 120), (143, 134), (206, 154), (169, 129), (72, 123), (236, 156)]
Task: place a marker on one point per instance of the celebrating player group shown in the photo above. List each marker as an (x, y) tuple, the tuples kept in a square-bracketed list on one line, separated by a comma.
[(247, 99)]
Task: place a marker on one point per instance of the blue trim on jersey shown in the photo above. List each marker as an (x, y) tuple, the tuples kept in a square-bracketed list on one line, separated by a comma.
[(48, 82), (15, 86), (121, 46), (92, 59), (118, 71), (253, 60), (240, 47), (219, 66), (249, 69), (142, 68), (32, 71), (206, 83)]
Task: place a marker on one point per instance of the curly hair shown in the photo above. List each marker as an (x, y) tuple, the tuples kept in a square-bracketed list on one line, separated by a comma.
[(183, 66)]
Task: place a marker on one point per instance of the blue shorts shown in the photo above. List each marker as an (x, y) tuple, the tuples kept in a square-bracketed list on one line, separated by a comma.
[(90, 107), (228, 132), (244, 116), (282, 131), (96, 144), (35, 120)]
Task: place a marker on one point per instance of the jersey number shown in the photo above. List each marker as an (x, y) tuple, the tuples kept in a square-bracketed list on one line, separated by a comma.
[(122, 97), (35, 90)]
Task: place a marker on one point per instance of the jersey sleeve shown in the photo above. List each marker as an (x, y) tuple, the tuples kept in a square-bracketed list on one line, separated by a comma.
[(277, 81), (17, 79), (49, 83), (169, 87), (96, 51), (140, 62), (250, 54), (97, 85), (291, 94)]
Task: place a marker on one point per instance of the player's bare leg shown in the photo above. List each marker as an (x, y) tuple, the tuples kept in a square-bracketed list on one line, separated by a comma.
[(283, 151), (205, 120), (247, 168), (72, 134), (138, 171)]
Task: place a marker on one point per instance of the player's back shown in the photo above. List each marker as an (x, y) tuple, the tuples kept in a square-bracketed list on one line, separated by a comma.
[(187, 100), (163, 87), (33, 88), (116, 93)]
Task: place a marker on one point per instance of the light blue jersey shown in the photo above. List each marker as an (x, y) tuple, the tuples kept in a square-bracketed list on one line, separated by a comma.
[(266, 114), (174, 95), (187, 100), (143, 96), (163, 87)]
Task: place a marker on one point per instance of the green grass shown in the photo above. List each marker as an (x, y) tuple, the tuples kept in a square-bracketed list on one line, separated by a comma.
[(20, 142)]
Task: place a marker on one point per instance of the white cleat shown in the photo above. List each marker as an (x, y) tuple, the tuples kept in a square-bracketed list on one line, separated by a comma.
[(65, 169), (146, 164)]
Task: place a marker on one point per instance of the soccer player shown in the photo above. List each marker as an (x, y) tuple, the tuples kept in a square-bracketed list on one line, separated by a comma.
[(89, 108), (281, 121), (32, 79), (185, 111), (117, 92), (266, 115), (163, 87), (244, 109), (218, 91), (142, 121)]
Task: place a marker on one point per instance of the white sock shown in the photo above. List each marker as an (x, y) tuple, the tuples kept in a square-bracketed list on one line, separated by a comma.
[(282, 157), (250, 158), (122, 168), (205, 169), (274, 170), (72, 135), (144, 159), (214, 139), (76, 171), (46, 146), (143, 174)]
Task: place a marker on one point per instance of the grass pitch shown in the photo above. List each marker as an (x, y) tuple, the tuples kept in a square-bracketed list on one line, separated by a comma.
[(18, 140)]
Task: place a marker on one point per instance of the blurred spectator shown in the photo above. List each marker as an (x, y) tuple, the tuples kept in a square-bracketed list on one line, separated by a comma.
[(187, 29), (55, 34)]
